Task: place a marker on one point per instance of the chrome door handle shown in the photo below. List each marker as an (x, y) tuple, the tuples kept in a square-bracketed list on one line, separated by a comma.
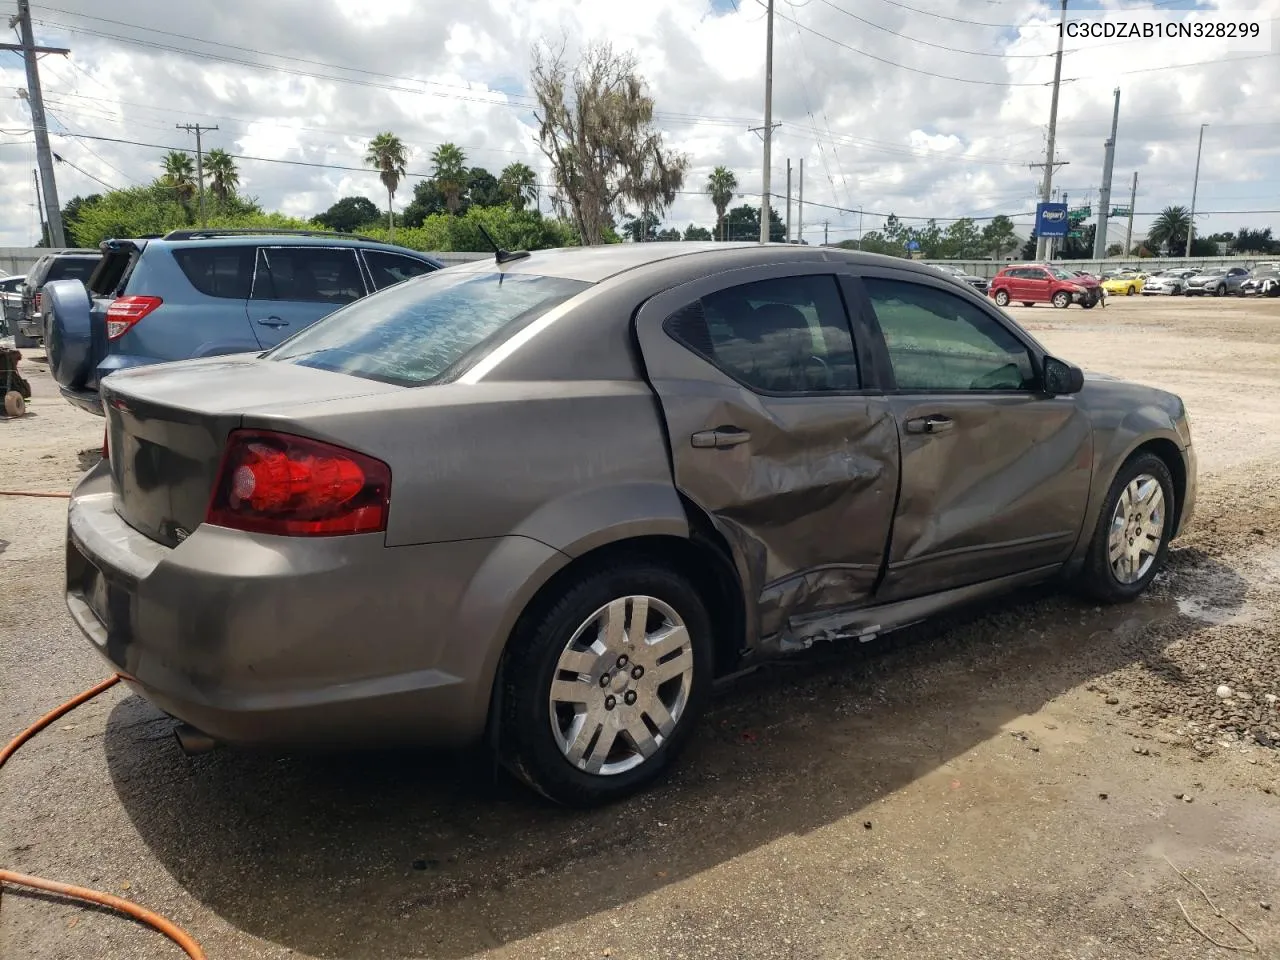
[(930, 425), (273, 322), (721, 437)]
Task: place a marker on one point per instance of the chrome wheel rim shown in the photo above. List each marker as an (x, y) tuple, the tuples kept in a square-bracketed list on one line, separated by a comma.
[(1137, 529), (621, 685)]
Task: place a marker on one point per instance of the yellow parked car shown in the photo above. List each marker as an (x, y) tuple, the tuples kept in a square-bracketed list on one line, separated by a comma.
[(1126, 284)]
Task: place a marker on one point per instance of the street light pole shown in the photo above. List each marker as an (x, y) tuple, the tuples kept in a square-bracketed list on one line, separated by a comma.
[(768, 123), (1195, 183), (1046, 187)]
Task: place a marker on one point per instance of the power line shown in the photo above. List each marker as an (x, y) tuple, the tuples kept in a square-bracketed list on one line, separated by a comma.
[(85, 173), (937, 46)]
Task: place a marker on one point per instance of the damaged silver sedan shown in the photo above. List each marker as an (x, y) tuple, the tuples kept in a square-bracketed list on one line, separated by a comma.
[(545, 501)]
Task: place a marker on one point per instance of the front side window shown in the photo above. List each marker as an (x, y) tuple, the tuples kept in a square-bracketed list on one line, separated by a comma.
[(308, 274), (938, 341), (787, 335), (388, 269), (428, 329)]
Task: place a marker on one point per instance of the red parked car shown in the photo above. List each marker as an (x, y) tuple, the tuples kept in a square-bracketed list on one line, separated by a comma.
[(1032, 283)]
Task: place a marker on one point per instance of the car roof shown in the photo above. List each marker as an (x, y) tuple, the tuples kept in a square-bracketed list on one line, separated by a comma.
[(594, 264), (286, 240)]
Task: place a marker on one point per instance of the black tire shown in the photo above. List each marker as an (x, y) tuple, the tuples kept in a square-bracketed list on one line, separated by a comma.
[(1097, 579), (1028, 303), (1220, 290), (1002, 298), (527, 744), (1062, 300), (1089, 304), (1131, 291)]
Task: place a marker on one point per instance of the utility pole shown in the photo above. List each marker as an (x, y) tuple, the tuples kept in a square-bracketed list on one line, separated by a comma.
[(788, 199), (197, 130), (826, 226), (1104, 193), (1133, 198), (1047, 185), (800, 207), (35, 100), (35, 176), (1191, 228), (768, 123)]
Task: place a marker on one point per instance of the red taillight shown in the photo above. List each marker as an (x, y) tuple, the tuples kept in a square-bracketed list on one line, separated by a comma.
[(35, 302), (297, 487), (124, 312)]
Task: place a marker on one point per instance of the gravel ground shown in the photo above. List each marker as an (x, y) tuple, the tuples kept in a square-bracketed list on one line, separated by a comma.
[(1013, 780)]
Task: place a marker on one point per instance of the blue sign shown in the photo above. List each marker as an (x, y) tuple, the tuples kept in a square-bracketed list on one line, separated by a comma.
[(913, 244), (1052, 220)]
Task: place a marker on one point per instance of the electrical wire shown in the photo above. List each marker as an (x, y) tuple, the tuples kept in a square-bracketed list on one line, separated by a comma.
[(938, 46), (95, 897)]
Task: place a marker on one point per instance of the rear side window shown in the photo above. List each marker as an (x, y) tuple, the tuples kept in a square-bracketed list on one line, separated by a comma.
[(71, 268), (427, 330), (308, 275), (787, 335), (218, 271), (388, 269)]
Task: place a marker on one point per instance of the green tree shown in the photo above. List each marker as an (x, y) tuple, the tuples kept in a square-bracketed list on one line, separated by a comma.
[(388, 155), (220, 170), (596, 127), (721, 186), (743, 223), (1170, 229), (512, 229), (71, 212), (998, 236), (154, 209), (693, 232), (1029, 248), (519, 184), (180, 177), (483, 189), (449, 171), (962, 241), (348, 214), (668, 235), (642, 228), (427, 200), (873, 241), (1253, 241)]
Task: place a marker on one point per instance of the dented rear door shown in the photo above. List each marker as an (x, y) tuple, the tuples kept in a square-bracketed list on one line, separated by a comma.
[(776, 433)]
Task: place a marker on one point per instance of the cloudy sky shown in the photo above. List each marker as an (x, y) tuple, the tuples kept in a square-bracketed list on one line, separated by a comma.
[(918, 107)]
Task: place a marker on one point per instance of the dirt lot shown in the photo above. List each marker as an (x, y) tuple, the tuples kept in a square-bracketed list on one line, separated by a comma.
[(1007, 783)]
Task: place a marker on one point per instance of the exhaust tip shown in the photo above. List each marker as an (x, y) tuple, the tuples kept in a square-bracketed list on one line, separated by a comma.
[(193, 741)]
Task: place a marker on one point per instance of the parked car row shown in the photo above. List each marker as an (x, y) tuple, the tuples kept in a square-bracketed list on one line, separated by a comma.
[(206, 293), (1033, 283), (545, 501)]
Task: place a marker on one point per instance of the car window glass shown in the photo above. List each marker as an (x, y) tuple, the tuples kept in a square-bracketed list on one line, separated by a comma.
[(309, 274), (786, 335), (218, 271), (391, 268), (428, 329), (71, 268), (939, 341)]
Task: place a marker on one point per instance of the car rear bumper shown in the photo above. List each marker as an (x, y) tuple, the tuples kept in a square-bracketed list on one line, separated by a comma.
[(329, 641)]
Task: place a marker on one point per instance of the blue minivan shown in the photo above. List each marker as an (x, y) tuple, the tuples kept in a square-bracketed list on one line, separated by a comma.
[(199, 293)]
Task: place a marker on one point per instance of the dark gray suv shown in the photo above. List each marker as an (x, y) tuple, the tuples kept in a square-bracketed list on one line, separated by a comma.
[(554, 497)]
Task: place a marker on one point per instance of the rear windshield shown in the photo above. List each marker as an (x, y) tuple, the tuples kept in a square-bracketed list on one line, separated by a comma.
[(428, 329), (71, 268)]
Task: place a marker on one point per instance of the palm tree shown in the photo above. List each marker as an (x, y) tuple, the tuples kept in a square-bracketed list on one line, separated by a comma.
[(721, 186), (1170, 229), (222, 174), (519, 184), (388, 154), (180, 174), (449, 170)]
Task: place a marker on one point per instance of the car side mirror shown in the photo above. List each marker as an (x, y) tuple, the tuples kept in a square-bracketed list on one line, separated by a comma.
[(1061, 378)]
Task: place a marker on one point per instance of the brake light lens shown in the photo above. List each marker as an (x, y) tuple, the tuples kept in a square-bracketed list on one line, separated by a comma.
[(124, 312), (35, 302), (294, 486)]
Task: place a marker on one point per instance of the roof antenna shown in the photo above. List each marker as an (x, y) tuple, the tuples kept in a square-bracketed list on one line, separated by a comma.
[(502, 256)]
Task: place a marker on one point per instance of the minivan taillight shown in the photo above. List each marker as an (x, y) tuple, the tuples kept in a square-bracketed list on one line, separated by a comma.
[(35, 302), (294, 486), (124, 312)]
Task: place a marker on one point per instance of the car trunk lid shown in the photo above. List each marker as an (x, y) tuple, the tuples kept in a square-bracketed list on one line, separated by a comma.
[(167, 427)]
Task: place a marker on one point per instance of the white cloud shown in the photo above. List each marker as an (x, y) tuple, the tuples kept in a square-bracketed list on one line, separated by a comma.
[(873, 135)]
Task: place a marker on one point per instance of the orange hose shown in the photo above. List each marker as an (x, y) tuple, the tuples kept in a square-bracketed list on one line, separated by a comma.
[(31, 493), (153, 920)]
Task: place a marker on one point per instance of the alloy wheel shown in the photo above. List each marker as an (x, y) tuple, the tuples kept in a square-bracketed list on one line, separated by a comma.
[(621, 685), (1137, 529)]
